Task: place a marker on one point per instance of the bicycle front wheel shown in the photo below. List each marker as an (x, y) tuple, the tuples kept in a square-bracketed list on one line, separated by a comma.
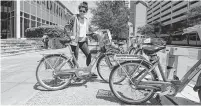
[(104, 65), (132, 50), (126, 90), (46, 69)]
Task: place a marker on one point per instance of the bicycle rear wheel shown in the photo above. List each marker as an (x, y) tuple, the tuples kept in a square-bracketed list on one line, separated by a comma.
[(125, 90), (103, 68), (46, 69)]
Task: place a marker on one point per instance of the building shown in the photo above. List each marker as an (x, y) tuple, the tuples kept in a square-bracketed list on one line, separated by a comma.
[(17, 16), (169, 13), (127, 3)]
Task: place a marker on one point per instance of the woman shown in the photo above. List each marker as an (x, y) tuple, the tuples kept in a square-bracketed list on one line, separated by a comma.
[(78, 25)]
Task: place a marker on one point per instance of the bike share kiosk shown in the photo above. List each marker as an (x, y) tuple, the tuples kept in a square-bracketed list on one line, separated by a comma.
[(180, 59)]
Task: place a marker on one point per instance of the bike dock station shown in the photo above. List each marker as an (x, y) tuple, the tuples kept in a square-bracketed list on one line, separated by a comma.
[(177, 61)]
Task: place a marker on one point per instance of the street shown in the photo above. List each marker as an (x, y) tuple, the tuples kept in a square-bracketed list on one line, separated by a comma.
[(19, 85)]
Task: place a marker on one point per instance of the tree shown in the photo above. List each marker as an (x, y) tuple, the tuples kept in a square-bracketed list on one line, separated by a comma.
[(147, 30), (157, 28), (193, 16), (112, 15)]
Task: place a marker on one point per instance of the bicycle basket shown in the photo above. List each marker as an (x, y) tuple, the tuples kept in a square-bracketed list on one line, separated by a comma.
[(102, 38)]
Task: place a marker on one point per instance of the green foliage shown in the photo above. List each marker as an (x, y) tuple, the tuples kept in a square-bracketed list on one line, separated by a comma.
[(147, 30), (52, 31), (193, 16), (112, 15)]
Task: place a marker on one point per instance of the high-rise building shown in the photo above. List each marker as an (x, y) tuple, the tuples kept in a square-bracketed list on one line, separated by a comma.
[(169, 13), (127, 3), (17, 16)]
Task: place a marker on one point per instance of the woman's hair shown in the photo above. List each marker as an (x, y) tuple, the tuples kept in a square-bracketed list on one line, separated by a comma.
[(84, 4)]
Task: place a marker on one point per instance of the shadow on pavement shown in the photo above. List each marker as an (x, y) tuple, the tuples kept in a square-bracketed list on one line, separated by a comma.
[(109, 96), (37, 86), (177, 101), (40, 88), (97, 80)]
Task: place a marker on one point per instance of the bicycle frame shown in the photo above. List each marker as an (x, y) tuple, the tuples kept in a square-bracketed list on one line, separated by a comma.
[(180, 84), (76, 69)]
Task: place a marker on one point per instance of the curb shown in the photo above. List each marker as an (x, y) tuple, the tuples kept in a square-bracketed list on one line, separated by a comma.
[(14, 54)]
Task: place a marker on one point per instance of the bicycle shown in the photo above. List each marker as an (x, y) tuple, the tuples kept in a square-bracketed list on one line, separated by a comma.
[(63, 70), (107, 60), (142, 79)]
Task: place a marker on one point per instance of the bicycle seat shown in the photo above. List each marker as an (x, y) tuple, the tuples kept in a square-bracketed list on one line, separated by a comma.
[(152, 49)]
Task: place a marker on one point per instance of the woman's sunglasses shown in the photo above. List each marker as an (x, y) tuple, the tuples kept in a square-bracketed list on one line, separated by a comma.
[(82, 11)]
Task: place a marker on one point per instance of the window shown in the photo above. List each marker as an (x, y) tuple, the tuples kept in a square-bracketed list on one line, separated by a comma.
[(47, 5), (194, 39), (50, 5), (166, 9), (21, 20), (166, 20), (26, 15), (39, 2), (21, 13), (180, 8), (26, 23), (33, 23), (38, 24), (43, 21), (12, 13), (33, 17), (166, 3), (178, 15), (193, 2), (166, 14), (55, 8), (178, 2), (38, 19), (189, 39), (179, 39), (43, 2)]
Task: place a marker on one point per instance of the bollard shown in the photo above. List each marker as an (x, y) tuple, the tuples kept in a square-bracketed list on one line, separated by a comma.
[(172, 61)]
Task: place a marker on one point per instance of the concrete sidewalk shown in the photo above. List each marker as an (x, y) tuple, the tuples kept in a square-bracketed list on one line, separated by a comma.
[(18, 76), (18, 80)]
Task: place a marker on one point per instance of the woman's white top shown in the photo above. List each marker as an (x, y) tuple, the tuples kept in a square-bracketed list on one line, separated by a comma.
[(83, 30)]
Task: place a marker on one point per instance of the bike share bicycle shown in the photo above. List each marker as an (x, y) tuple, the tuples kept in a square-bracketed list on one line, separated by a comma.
[(57, 71), (106, 62), (142, 81)]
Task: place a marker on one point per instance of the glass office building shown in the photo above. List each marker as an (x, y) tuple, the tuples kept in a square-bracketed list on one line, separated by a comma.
[(17, 16), (170, 13)]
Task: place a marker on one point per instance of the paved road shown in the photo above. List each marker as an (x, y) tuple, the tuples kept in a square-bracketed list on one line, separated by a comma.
[(19, 85)]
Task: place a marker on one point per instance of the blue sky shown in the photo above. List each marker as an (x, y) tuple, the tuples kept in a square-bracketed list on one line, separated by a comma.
[(72, 5)]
